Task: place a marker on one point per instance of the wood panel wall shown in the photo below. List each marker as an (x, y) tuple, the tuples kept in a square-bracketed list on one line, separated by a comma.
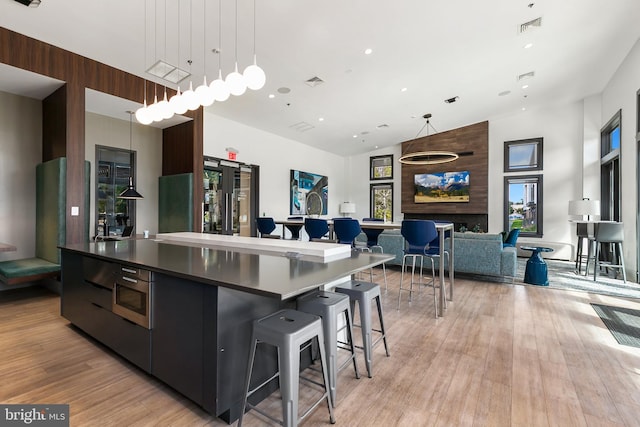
[(64, 112), (471, 141)]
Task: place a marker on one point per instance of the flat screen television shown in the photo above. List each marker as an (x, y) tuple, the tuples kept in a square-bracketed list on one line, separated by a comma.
[(441, 187)]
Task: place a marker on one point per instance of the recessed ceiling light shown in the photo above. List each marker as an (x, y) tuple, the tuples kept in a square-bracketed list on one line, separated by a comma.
[(525, 86), (321, 119), (355, 136), (368, 51), (504, 93), (528, 45), (271, 96), (524, 108), (404, 89)]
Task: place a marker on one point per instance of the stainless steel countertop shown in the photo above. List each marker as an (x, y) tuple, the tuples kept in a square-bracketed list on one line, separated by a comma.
[(249, 271)]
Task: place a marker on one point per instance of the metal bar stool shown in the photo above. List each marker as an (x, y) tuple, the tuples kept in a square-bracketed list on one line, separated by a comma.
[(287, 330), (330, 305), (363, 293)]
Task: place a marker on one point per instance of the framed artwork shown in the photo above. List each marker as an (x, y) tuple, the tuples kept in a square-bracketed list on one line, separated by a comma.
[(381, 167), (523, 155), (381, 201), (308, 194)]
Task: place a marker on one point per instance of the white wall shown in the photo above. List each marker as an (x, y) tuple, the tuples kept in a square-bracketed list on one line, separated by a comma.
[(276, 156), (20, 152), (358, 182), (620, 94), (147, 143), (562, 130)]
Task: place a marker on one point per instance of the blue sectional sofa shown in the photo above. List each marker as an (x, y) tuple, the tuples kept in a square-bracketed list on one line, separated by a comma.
[(475, 253)]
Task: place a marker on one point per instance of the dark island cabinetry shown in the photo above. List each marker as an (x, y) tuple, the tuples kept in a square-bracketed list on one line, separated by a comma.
[(86, 302), (178, 310), (198, 337)]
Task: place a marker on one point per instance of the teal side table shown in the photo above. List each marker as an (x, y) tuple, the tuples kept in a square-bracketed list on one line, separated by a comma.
[(536, 271)]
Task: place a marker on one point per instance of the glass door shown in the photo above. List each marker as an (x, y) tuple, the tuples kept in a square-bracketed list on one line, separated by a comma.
[(229, 198), (114, 168)]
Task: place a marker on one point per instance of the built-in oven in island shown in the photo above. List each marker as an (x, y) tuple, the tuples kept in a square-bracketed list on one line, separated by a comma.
[(132, 295)]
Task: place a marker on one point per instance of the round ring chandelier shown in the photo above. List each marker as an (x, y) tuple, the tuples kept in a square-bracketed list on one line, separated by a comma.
[(427, 157)]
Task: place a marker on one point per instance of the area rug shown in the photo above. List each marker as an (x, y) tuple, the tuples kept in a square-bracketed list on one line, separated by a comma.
[(562, 275), (623, 323)]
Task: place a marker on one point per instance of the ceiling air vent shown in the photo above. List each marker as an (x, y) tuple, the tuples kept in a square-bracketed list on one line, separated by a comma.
[(525, 76), (382, 126), (531, 25), (301, 126), (314, 81)]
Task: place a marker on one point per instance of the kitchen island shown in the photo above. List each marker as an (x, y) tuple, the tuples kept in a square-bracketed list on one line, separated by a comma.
[(199, 303)]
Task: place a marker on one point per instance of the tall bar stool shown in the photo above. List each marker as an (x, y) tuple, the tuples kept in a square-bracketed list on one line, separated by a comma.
[(287, 330), (363, 293), (330, 305), (418, 234), (583, 231), (613, 233)]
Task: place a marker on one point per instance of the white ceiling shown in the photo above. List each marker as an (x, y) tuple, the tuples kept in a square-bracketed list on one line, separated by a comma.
[(434, 49)]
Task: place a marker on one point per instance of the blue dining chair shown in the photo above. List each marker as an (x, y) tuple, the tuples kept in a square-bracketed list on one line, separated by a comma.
[(433, 251), (266, 225), (417, 234), (316, 228), (294, 229), (511, 239), (346, 230)]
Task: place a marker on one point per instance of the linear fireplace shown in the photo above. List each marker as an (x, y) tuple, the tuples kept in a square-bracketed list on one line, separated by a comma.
[(459, 220)]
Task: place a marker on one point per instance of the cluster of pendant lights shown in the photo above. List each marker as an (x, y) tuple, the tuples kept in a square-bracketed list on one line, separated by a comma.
[(204, 95)]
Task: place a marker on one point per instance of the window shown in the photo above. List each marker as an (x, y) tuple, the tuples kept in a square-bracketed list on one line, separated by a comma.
[(610, 150), (113, 171), (382, 201), (523, 204), (523, 155), (381, 167)]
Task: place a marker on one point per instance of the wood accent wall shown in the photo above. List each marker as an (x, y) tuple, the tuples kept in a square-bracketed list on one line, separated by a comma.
[(64, 112), (178, 157), (473, 140)]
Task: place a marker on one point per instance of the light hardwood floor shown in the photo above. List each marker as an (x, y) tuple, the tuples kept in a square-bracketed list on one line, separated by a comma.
[(503, 355)]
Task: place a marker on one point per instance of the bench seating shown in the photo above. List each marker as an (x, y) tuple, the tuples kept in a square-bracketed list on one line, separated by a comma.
[(51, 203), (27, 270)]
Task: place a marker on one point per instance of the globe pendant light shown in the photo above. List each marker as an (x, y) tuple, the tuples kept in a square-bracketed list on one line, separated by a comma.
[(130, 192), (235, 81), (154, 111), (190, 98), (218, 86), (177, 103), (142, 113), (164, 109), (205, 94), (254, 76), (143, 116)]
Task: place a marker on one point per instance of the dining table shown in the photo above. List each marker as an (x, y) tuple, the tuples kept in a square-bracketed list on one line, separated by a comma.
[(441, 227)]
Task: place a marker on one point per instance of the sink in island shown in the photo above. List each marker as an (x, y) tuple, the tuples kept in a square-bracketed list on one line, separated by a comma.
[(191, 306)]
